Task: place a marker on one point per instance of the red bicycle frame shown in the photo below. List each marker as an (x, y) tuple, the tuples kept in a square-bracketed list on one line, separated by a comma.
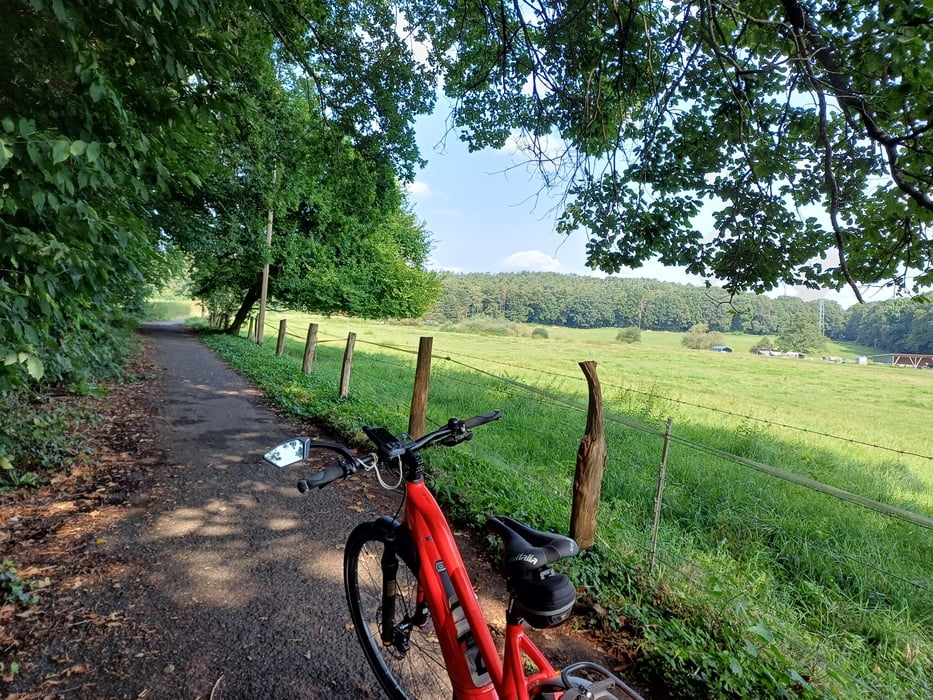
[(470, 654)]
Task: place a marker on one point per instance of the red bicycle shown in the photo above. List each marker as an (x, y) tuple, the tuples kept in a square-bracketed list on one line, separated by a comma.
[(411, 600)]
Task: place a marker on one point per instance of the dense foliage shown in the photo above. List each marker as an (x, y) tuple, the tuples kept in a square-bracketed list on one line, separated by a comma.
[(132, 132), (801, 128), (588, 302)]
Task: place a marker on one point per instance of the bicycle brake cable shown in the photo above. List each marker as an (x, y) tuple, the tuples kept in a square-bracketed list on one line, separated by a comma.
[(401, 474)]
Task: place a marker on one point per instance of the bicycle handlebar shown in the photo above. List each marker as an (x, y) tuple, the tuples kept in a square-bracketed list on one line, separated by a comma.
[(477, 421), (388, 445), (456, 431), (322, 478)]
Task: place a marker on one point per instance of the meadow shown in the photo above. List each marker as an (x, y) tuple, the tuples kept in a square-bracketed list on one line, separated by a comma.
[(758, 586)]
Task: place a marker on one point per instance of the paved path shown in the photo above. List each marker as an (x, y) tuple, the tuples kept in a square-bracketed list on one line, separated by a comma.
[(241, 573)]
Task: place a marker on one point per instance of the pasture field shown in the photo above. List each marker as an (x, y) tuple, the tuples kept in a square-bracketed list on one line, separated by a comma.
[(874, 404), (758, 587)]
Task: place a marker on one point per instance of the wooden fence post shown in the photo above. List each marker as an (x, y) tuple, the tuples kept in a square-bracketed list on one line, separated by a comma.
[(310, 345), (591, 461), (280, 344), (249, 333), (347, 364), (417, 417), (659, 498)]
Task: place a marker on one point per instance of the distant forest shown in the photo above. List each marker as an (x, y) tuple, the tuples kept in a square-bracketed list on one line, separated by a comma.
[(553, 299)]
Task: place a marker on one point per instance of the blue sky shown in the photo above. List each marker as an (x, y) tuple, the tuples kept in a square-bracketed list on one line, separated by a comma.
[(487, 212)]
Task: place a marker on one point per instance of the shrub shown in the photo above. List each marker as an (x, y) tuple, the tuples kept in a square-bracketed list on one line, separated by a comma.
[(539, 332), (35, 437), (699, 337), (631, 334)]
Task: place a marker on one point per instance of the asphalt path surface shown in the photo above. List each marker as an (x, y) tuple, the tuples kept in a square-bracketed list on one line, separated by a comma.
[(243, 573)]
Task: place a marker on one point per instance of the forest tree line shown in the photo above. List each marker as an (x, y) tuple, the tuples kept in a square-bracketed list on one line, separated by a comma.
[(549, 298)]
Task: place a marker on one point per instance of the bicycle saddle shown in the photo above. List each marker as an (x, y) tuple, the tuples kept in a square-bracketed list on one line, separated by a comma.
[(527, 549)]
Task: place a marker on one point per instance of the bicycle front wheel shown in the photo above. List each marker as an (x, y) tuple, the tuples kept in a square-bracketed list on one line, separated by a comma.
[(410, 664)]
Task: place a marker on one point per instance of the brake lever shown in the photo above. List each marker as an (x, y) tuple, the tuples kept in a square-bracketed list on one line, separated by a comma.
[(457, 439)]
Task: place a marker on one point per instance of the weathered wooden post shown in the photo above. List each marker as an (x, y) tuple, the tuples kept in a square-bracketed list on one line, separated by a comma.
[(417, 417), (252, 321), (310, 345), (347, 364), (591, 461), (280, 343)]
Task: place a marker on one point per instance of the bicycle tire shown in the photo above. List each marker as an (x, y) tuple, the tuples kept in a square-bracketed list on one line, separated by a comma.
[(420, 671)]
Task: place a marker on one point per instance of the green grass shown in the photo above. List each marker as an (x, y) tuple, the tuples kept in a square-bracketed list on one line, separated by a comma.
[(761, 587), (170, 308)]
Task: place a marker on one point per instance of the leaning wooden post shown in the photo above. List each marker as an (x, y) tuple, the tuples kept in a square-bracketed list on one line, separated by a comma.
[(310, 345), (280, 343), (659, 497), (249, 333), (591, 461), (347, 364), (417, 417)]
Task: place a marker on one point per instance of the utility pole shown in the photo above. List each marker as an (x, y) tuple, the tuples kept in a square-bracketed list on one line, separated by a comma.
[(261, 321)]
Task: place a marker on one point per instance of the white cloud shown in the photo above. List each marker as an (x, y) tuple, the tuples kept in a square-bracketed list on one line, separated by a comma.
[(419, 190), (433, 264), (530, 260)]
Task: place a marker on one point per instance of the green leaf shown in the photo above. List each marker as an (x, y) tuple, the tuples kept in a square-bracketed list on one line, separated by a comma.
[(93, 151), (8, 125), (61, 150), (763, 631), (6, 153), (35, 367), (59, 8), (97, 91), (27, 127), (77, 147)]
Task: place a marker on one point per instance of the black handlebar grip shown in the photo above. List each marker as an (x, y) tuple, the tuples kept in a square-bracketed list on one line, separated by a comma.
[(321, 479), (480, 420)]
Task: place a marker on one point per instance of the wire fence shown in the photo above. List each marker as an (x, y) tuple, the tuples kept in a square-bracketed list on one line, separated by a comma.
[(746, 541)]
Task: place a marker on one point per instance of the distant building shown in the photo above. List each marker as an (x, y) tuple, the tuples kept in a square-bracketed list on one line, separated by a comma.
[(721, 348), (903, 359)]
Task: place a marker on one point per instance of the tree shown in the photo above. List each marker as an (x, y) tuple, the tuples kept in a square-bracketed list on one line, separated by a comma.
[(92, 105), (800, 332), (325, 161), (139, 130), (803, 126)]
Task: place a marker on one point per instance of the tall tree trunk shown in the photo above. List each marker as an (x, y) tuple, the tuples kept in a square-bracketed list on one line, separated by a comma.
[(252, 296)]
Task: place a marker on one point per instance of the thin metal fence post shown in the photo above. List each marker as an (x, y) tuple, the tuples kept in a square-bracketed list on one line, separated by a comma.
[(658, 499)]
